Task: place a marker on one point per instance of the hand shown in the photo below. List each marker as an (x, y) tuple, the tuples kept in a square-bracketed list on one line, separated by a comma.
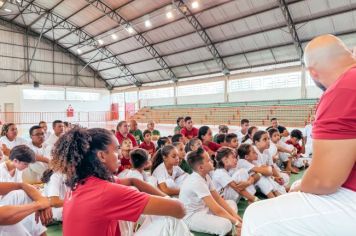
[(44, 215), (279, 180), (242, 185), (43, 203), (5, 150), (238, 229)]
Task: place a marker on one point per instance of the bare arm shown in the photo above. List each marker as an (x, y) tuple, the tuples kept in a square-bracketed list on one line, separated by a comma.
[(169, 191), (224, 205), (322, 177), (164, 207), (42, 159), (264, 170), (218, 210), (5, 188), (142, 186), (10, 215)]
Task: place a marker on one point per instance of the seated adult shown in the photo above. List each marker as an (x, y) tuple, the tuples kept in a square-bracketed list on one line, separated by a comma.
[(9, 138), (136, 132), (154, 132), (96, 200), (324, 201), (122, 132), (17, 207)]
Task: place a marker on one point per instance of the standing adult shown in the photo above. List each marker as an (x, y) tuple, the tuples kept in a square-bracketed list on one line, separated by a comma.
[(324, 201), (58, 130), (43, 125), (307, 134), (122, 132)]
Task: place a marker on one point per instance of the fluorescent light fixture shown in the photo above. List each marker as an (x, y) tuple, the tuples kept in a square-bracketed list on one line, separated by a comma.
[(100, 41), (130, 30), (169, 15), (79, 51), (195, 4), (7, 10), (148, 23), (114, 36)]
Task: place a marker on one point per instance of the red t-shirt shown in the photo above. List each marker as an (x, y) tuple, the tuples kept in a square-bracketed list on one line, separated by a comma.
[(125, 164), (336, 115), (189, 134), (212, 146), (149, 147), (120, 138), (95, 207), (297, 146)]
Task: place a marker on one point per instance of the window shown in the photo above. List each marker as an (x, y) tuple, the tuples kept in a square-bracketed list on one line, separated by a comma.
[(201, 89), (40, 94), (289, 80), (157, 93), (82, 96)]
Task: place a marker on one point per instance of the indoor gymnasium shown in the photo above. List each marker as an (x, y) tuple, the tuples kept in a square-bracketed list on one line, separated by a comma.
[(177, 117)]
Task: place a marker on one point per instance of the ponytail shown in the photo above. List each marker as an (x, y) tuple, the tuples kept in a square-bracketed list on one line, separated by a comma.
[(46, 176), (160, 155)]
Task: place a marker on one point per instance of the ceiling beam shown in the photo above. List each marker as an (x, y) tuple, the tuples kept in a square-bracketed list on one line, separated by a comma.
[(291, 27), (193, 21), (112, 14)]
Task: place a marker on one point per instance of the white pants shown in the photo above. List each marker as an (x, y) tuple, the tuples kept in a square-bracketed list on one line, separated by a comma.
[(162, 226), (207, 222), (299, 163), (238, 176), (303, 214), (177, 182), (28, 225), (266, 184)]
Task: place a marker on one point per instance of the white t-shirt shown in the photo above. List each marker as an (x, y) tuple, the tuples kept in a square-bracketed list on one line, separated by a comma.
[(161, 173), (221, 179), (240, 136), (133, 173), (52, 139), (6, 177), (34, 172), (47, 134), (248, 141), (244, 164), (56, 186), (264, 158), (272, 149), (192, 192), (308, 132), (289, 147), (11, 144)]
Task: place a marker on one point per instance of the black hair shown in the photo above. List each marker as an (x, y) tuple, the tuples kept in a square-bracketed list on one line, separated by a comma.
[(195, 157), (46, 176), (176, 144), (54, 123), (220, 154), (296, 133), (243, 150), (203, 131), (22, 153), (159, 156), (271, 131), (179, 119), (5, 128), (161, 142), (138, 157), (243, 121), (34, 128), (146, 132), (258, 135), (75, 155), (190, 144), (229, 137), (273, 119), (220, 138), (120, 124), (281, 129), (187, 118), (249, 133), (176, 137)]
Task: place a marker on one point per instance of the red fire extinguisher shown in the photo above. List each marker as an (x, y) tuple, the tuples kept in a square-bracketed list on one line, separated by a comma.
[(70, 111)]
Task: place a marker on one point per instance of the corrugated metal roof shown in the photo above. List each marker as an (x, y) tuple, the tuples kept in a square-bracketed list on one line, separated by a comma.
[(246, 33)]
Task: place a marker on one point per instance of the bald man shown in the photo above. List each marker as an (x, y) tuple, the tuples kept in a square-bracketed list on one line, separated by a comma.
[(324, 201)]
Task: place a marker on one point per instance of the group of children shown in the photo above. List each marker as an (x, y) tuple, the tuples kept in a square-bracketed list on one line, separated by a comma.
[(209, 175)]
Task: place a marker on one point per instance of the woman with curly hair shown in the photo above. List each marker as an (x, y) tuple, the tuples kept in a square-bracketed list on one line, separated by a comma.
[(96, 201)]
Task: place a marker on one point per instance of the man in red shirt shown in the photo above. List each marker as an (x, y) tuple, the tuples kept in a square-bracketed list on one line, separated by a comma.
[(122, 132), (324, 201), (189, 131)]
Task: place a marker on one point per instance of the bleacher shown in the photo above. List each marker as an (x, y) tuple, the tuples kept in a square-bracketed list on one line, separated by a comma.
[(293, 113)]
